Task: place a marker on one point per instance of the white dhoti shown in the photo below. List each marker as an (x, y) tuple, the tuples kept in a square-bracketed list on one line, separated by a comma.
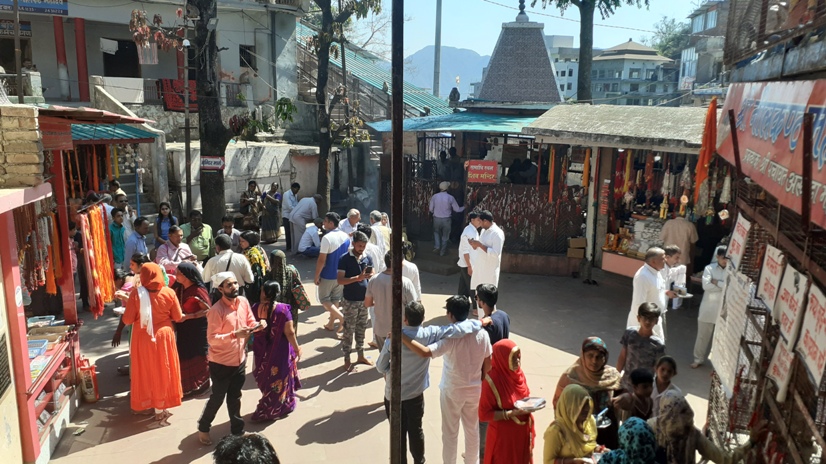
[(702, 345), (457, 405)]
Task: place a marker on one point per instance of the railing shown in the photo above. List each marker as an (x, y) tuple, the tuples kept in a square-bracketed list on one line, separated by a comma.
[(152, 92)]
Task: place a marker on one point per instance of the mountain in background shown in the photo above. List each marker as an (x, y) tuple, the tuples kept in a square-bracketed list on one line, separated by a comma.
[(467, 64)]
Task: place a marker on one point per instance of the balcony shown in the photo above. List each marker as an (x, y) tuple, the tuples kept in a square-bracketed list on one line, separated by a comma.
[(32, 87)]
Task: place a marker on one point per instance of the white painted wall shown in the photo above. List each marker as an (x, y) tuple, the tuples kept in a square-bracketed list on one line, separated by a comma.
[(245, 23)]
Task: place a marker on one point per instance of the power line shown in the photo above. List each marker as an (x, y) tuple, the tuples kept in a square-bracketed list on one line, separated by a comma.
[(510, 7)]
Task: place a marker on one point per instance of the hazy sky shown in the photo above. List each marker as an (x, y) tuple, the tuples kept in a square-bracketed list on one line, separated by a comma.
[(475, 24)]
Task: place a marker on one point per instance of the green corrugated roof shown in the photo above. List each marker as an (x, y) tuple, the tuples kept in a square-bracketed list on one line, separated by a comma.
[(110, 133), (460, 122), (369, 72)]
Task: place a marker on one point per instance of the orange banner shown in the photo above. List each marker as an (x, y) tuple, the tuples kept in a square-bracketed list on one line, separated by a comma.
[(769, 119)]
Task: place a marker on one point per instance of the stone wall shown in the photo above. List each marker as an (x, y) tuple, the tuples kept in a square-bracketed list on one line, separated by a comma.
[(21, 157)]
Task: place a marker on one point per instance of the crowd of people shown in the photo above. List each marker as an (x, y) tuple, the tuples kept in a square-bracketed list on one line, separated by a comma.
[(196, 304)]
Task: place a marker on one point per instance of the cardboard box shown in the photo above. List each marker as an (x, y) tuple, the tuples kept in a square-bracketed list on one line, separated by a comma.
[(576, 253), (579, 242)]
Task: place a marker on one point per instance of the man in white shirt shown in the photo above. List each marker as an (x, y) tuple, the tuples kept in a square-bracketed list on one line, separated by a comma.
[(380, 296), (305, 211), (674, 272), (334, 245), (228, 228), (287, 206), (310, 244), (486, 258), (228, 261), (649, 287), (351, 223), (471, 232), (467, 361), (381, 233)]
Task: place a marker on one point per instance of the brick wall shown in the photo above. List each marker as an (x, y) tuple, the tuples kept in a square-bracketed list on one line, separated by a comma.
[(21, 156)]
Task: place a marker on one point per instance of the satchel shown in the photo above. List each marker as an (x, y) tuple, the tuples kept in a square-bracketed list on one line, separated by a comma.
[(300, 297)]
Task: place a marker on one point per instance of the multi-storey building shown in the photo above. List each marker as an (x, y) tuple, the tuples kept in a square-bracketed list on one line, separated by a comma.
[(633, 74), (701, 64)]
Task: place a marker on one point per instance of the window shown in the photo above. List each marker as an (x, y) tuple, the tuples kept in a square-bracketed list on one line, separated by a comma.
[(570, 86), (247, 54), (571, 72), (635, 73), (635, 87), (652, 88), (711, 20), (697, 24), (651, 74), (594, 74), (562, 88), (615, 87), (634, 102), (602, 74)]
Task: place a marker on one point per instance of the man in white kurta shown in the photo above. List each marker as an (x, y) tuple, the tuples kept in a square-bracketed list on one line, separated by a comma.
[(486, 258), (714, 280), (649, 287)]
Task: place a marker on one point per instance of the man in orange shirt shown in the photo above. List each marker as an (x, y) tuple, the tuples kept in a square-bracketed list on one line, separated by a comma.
[(229, 324)]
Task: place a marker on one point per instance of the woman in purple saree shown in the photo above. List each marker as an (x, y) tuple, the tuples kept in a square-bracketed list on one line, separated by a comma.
[(276, 354)]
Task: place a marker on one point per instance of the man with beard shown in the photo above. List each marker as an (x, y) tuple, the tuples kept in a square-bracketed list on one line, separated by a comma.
[(230, 322)]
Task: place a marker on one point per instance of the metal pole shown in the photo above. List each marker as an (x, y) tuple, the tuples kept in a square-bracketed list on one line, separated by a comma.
[(397, 179), (806, 197), (346, 108), (18, 59), (187, 135), (437, 52)]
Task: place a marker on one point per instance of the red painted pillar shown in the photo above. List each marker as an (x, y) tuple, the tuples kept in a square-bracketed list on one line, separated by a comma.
[(82, 65), (18, 341), (62, 63)]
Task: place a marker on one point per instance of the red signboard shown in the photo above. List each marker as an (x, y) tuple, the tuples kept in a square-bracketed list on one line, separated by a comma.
[(769, 119), (55, 133), (482, 172), (172, 92)]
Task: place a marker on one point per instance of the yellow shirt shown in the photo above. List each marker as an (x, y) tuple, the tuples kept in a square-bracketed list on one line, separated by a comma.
[(556, 447), (202, 246)]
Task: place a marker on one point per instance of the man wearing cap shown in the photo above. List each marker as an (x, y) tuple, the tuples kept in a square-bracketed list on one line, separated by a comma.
[(229, 324), (442, 206)]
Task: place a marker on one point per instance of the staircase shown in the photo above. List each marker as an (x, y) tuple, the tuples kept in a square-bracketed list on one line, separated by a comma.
[(148, 208)]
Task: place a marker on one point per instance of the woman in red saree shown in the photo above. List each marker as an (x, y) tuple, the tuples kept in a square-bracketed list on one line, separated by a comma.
[(511, 433)]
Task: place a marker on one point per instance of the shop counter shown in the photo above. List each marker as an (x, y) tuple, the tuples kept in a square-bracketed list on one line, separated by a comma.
[(621, 264)]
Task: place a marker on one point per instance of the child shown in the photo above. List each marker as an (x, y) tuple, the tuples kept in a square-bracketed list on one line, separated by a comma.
[(639, 403), (117, 233), (665, 371), (163, 223), (674, 272), (640, 347)]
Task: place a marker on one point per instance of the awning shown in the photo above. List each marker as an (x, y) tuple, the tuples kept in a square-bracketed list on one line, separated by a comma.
[(678, 130), (85, 134), (84, 114), (466, 121)]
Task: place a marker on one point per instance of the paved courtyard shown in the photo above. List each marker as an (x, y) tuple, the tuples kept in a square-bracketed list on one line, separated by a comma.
[(340, 416)]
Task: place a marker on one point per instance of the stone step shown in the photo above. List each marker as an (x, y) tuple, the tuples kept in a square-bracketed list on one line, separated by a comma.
[(429, 261)]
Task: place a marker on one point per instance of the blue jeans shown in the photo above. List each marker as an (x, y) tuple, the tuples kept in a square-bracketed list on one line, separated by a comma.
[(441, 233), (311, 252)]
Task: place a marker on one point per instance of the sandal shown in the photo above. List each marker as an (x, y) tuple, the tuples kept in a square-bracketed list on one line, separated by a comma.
[(163, 418), (203, 437)]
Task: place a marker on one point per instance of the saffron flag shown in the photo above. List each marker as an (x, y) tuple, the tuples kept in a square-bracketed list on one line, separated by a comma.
[(701, 189)]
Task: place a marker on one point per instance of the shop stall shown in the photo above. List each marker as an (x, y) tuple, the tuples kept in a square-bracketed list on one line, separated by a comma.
[(769, 347), (40, 355)]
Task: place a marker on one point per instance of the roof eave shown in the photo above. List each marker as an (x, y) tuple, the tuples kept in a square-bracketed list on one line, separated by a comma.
[(614, 141)]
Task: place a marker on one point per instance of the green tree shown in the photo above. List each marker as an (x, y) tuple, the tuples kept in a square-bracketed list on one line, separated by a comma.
[(670, 37), (587, 8), (328, 40)]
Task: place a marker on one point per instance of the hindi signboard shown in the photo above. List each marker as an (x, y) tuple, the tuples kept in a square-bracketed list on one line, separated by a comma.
[(212, 163), (55, 133), (482, 172), (769, 119), (780, 370), (7, 28), (731, 323), (770, 276), (791, 301), (49, 7), (737, 245), (812, 344)]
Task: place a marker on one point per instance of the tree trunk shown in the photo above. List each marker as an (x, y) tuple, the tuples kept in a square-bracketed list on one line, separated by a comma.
[(214, 136), (586, 50), (325, 140)]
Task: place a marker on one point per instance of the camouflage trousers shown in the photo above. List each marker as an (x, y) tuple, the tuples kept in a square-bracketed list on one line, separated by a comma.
[(355, 324)]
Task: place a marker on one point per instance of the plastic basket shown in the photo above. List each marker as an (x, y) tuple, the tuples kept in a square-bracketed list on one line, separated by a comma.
[(40, 321), (37, 348)]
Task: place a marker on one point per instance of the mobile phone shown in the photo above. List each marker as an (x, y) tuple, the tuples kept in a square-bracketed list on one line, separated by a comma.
[(368, 270)]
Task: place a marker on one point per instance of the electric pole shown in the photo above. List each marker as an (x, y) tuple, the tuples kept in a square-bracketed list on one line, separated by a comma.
[(437, 52), (187, 134), (18, 59)]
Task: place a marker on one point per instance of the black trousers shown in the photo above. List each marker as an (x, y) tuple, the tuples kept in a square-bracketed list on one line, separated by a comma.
[(287, 234), (226, 382), (464, 287), (412, 413)]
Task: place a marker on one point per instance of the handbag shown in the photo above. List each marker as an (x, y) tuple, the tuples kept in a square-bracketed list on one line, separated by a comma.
[(300, 295)]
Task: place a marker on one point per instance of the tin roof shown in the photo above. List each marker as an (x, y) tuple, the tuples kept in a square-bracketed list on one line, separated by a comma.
[(373, 74), (466, 121), (109, 133)]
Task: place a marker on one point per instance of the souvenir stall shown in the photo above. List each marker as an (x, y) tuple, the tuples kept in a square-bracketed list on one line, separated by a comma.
[(39, 325), (769, 346)]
